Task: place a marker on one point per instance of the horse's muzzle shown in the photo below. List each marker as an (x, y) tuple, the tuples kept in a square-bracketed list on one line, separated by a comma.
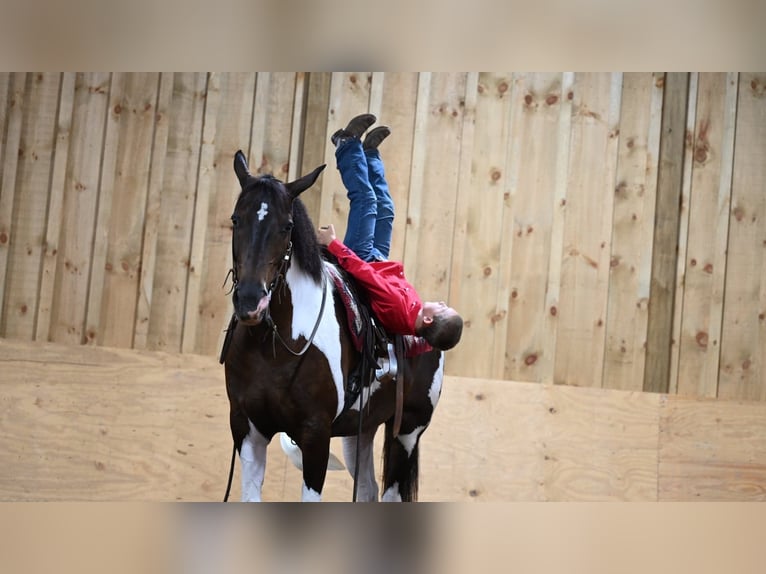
[(251, 310)]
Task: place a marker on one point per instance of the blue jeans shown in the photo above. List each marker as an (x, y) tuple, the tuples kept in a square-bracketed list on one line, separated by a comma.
[(371, 210)]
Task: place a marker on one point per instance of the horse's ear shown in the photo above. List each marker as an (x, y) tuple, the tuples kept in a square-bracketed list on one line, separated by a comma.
[(240, 167), (302, 184)]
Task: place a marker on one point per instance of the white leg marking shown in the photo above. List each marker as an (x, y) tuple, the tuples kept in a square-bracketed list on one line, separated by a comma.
[(410, 440), (310, 495), (307, 300), (252, 457), (436, 385), (392, 494)]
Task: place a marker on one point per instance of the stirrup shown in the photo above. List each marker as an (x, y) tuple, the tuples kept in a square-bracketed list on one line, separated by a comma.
[(388, 366)]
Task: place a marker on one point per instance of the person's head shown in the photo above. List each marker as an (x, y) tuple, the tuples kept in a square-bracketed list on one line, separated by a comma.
[(439, 324)]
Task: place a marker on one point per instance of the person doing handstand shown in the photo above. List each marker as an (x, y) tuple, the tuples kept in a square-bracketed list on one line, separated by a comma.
[(366, 245)]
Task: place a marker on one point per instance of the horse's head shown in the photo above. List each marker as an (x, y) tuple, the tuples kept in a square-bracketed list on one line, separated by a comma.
[(262, 237)]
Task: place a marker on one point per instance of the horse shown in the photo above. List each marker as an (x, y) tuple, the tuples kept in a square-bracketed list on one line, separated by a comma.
[(290, 352)]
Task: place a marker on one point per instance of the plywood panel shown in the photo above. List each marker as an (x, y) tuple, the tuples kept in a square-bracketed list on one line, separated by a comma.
[(634, 208), (80, 202), (709, 207), (743, 345), (712, 450), (30, 211), (588, 229), (97, 423)]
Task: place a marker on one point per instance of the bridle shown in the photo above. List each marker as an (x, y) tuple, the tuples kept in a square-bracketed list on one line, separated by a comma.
[(279, 278)]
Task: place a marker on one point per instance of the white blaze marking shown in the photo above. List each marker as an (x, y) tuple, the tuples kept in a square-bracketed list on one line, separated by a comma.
[(263, 211), (307, 300)]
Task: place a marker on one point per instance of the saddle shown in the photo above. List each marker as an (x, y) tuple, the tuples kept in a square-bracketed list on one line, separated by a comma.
[(382, 353)]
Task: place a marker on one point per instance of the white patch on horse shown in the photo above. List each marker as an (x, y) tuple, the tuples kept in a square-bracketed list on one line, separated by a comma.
[(307, 301), (252, 457), (392, 494), (310, 495), (436, 385), (411, 439), (366, 394), (263, 211)]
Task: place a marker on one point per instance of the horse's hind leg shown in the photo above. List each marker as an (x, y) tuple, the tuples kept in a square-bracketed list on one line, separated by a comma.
[(400, 465), (367, 486)]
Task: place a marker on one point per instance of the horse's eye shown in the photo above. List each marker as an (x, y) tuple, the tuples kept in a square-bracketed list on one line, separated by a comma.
[(288, 227), (234, 220)]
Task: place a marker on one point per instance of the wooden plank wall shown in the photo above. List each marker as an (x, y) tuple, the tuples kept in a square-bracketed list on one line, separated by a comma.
[(97, 423), (582, 244)]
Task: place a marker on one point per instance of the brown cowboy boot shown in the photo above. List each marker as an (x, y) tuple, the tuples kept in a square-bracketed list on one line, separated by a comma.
[(374, 137), (354, 129)]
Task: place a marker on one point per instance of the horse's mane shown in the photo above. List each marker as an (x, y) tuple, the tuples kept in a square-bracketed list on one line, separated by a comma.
[(305, 246)]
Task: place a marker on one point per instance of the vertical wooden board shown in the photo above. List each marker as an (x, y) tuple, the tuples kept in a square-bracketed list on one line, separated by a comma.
[(743, 343), (131, 182), (205, 181), (315, 137), (631, 257), (278, 126), (708, 229), (528, 224), (81, 192), (587, 233), (712, 450), (55, 207), (177, 211), (30, 213), (432, 221), (665, 256), (233, 122), (398, 112), (349, 96), (476, 278), (152, 217), (11, 138)]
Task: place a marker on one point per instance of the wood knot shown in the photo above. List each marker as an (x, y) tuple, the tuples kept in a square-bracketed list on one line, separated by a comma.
[(530, 359), (702, 339)]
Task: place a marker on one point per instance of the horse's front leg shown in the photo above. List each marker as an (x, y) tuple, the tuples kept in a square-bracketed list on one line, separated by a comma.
[(315, 446), (252, 457)]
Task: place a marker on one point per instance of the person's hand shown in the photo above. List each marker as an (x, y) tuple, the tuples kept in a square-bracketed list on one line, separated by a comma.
[(326, 234)]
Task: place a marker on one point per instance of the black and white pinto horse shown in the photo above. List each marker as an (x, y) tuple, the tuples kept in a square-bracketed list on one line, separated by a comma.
[(289, 354)]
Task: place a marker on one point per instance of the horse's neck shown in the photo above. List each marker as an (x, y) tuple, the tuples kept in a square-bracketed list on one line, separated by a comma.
[(306, 297)]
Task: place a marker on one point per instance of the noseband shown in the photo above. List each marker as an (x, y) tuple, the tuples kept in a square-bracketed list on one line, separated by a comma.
[(278, 278)]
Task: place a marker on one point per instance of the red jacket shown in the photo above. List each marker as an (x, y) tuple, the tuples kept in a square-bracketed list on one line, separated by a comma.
[(393, 299)]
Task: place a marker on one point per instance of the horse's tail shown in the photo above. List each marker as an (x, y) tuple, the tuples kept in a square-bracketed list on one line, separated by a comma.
[(400, 468)]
